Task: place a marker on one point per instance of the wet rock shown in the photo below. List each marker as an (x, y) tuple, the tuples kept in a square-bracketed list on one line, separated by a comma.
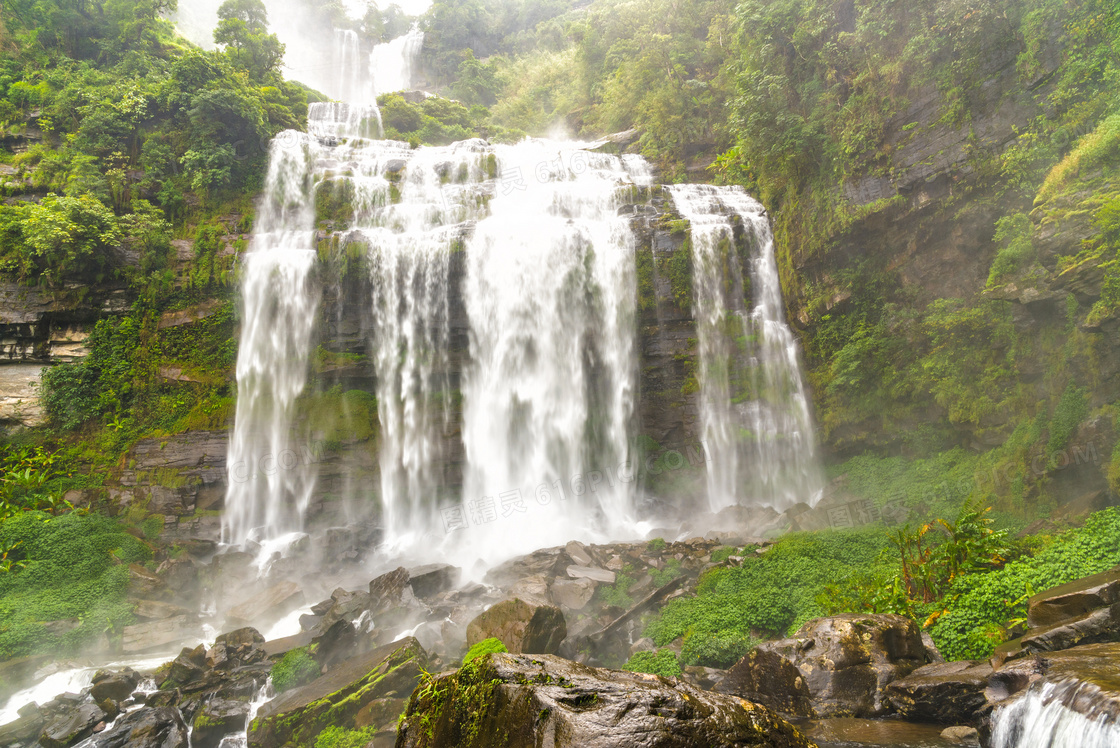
[(521, 626), (431, 579), (216, 719), (593, 573), (115, 686), (961, 735), (25, 728), (154, 610), (547, 562), (522, 700), (337, 698), (142, 582), (573, 594), (388, 589), (579, 553), (161, 727), (765, 677), (1074, 599), (336, 643), (947, 693), (72, 726), (847, 660), (144, 637), (269, 605)]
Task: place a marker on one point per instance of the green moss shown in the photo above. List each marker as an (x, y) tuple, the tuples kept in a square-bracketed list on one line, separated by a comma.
[(296, 668), (484, 647)]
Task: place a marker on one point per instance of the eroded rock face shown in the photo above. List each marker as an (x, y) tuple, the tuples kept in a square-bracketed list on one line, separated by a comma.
[(341, 698), (768, 678), (1074, 599), (517, 701), (521, 626), (946, 693), (161, 727), (845, 661)]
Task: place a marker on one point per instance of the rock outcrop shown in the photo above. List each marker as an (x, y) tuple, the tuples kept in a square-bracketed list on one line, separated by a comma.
[(947, 693), (523, 701), (349, 696), (845, 662), (522, 627)]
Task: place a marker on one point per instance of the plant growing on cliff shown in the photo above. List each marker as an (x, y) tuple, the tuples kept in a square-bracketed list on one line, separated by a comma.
[(483, 648)]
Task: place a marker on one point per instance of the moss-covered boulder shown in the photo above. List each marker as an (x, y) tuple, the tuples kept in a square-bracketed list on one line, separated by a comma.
[(521, 626), (341, 698), (516, 701)]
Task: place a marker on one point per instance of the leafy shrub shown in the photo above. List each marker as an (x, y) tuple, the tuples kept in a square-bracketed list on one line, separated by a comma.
[(667, 573), (657, 545), (771, 594), (1070, 411), (980, 603), (1013, 234), (662, 662), (483, 648), (73, 566), (294, 669)]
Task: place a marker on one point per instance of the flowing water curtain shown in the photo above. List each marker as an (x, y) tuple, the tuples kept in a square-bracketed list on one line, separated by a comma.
[(549, 393), (410, 239), (270, 481), (1043, 718), (392, 63), (755, 415)]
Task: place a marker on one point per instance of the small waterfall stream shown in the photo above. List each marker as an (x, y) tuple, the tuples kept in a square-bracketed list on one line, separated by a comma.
[(753, 404), (1057, 715)]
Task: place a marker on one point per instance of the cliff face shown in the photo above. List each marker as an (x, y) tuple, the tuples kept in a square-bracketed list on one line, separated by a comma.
[(962, 299)]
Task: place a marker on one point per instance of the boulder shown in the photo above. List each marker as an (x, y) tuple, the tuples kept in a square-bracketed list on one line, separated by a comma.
[(431, 579), (847, 660), (72, 726), (388, 589), (154, 610), (520, 701), (521, 626), (336, 699), (154, 635), (115, 686), (573, 594), (25, 728), (961, 735), (767, 678), (161, 727), (269, 605), (578, 553), (946, 693), (547, 562), (1096, 627), (217, 718), (1074, 599), (593, 573)]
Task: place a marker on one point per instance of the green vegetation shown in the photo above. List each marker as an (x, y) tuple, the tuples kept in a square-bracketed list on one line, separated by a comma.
[(337, 737), (63, 581), (663, 662), (769, 595), (296, 668), (483, 648)]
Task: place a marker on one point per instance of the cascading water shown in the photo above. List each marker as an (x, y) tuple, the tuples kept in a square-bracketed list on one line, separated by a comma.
[(755, 414), (269, 485), (1044, 717), (548, 397), (391, 64)]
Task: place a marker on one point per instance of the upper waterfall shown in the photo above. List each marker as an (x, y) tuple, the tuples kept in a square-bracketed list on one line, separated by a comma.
[(755, 412)]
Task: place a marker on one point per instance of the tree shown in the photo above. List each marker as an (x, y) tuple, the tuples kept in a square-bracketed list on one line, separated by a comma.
[(243, 31)]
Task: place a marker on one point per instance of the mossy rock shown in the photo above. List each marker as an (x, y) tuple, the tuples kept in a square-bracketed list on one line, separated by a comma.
[(516, 701), (339, 698)]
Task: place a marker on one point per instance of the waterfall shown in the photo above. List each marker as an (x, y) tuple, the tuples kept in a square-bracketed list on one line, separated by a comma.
[(1070, 714), (269, 484), (754, 410), (549, 394), (391, 64)]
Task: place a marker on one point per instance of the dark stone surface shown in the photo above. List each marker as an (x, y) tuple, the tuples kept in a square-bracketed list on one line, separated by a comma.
[(767, 678), (336, 698), (948, 693), (521, 626), (161, 727), (523, 701), (1074, 599), (847, 660)]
